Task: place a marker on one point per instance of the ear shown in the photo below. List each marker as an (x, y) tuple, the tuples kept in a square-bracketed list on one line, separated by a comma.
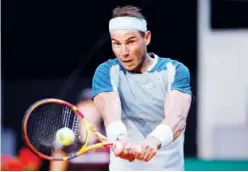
[(147, 37)]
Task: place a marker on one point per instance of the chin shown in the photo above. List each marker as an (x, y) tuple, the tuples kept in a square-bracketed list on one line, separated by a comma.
[(130, 69)]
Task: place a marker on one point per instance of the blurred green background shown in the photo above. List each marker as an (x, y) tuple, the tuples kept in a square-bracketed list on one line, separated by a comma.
[(196, 164)]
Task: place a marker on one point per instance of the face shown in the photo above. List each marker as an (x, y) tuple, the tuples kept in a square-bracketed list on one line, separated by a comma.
[(130, 48)]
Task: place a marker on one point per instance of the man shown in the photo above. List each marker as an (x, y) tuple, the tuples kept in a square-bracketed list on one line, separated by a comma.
[(143, 99)]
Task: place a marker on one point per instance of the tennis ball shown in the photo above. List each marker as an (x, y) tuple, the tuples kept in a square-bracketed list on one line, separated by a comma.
[(65, 136)]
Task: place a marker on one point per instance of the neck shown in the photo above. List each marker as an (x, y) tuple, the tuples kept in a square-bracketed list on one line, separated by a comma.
[(145, 64)]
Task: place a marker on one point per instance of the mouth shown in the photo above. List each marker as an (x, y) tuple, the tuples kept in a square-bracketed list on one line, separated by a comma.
[(127, 62)]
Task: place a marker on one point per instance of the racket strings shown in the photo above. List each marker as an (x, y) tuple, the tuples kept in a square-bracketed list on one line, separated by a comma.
[(74, 124), (42, 126), (46, 120), (66, 116)]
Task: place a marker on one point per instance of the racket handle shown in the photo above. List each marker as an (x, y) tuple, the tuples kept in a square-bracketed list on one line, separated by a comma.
[(58, 159), (109, 145)]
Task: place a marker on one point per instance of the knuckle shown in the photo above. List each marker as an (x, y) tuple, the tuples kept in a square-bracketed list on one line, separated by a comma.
[(147, 159), (151, 149), (141, 156), (154, 151), (147, 146)]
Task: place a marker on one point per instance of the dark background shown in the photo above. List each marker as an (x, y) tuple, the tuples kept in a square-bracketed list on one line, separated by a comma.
[(229, 14), (45, 43)]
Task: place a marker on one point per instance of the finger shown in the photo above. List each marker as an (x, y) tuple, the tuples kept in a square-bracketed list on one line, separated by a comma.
[(145, 150), (124, 151), (118, 149), (133, 150), (131, 158), (153, 153), (128, 157), (138, 151), (141, 155), (147, 154), (129, 153), (127, 150)]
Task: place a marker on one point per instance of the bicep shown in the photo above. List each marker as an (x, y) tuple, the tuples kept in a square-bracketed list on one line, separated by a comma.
[(177, 102), (178, 99)]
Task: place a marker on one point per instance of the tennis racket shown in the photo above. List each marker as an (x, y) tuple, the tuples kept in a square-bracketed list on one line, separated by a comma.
[(44, 118)]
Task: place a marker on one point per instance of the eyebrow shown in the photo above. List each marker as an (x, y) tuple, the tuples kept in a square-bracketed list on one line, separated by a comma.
[(113, 39), (132, 37)]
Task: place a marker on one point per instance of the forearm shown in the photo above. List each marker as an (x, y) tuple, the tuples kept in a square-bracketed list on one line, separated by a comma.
[(88, 108), (177, 105), (109, 106), (176, 111)]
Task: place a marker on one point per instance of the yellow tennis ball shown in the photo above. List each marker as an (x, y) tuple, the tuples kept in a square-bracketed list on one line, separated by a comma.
[(65, 136)]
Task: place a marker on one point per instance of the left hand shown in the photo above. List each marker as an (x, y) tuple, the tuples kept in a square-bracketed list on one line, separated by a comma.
[(147, 149), (124, 149)]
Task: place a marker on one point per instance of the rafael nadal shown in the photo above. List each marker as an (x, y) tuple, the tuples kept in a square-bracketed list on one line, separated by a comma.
[(144, 99)]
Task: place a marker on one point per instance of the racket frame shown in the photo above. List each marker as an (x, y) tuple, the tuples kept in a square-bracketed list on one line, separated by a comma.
[(104, 142)]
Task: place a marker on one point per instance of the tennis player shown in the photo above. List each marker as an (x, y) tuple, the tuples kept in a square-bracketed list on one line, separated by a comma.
[(144, 99)]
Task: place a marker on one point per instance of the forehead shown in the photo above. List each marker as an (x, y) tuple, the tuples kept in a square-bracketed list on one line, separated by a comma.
[(124, 34)]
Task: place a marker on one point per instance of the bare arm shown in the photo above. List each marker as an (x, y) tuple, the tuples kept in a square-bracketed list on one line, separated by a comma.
[(109, 106), (88, 108), (107, 101), (177, 105)]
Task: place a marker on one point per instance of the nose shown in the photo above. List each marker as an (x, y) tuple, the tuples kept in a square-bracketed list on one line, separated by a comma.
[(124, 51)]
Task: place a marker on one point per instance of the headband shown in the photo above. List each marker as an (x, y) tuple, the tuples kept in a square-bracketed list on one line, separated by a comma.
[(127, 23)]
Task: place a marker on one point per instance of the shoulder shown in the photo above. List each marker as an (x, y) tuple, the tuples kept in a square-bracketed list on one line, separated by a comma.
[(104, 79), (178, 75), (107, 72), (111, 64), (165, 63)]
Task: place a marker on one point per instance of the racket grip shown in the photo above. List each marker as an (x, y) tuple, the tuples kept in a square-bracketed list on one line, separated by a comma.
[(109, 145), (58, 159)]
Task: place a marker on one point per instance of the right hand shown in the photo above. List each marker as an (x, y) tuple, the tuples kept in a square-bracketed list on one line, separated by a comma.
[(124, 149), (147, 148)]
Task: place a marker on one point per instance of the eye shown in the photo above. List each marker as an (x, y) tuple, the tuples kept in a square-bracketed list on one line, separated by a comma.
[(116, 43), (131, 42)]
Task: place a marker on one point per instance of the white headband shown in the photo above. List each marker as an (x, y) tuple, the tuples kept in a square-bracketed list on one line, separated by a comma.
[(127, 23)]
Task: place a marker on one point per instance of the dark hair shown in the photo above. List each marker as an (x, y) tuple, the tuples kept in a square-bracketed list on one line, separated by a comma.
[(129, 10)]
